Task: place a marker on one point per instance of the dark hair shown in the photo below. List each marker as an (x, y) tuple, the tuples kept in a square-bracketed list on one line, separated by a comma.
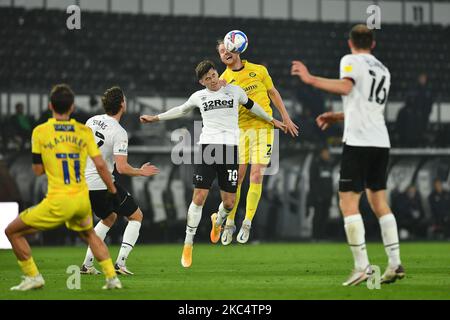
[(362, 37), (62, 98), (204, 67), (112, 100)]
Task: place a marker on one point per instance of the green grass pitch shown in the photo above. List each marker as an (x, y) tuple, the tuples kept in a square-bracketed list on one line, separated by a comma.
[(266, 271)]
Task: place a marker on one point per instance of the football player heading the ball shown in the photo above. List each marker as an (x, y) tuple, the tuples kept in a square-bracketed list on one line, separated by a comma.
[(257, 83), (219, 107)]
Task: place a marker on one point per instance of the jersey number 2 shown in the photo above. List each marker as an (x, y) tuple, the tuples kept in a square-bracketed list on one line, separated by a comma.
[(65, 165), (102, 138)]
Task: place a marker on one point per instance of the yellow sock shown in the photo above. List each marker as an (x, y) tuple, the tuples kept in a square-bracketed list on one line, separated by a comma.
[(230, 218), (28, 267), (253, 196), (108, 268)]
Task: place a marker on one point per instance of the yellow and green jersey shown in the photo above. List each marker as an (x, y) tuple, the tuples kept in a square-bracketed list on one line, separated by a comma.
[(255, 80), (64, 147)]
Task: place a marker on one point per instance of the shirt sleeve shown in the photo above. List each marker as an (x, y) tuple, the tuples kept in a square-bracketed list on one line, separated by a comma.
[(35, 142), (179, 111), (121, 143), (266, 78), (349, 68), (241, 95), (92, 147)]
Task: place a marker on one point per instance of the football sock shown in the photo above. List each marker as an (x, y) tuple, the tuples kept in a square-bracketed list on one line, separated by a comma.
[(101, 230), (253, 196), (354, 229), (389, 234), (28, 267), (230, 218), (222, 214), (108, 268), (193, 219), (130, 237)]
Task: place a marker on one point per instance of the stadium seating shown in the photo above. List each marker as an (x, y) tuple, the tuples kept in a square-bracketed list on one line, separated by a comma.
[(156, 55)]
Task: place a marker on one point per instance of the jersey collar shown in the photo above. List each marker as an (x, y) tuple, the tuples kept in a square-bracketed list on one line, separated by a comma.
[(220, 89), (53, 120), (111, 117), (242, 68)]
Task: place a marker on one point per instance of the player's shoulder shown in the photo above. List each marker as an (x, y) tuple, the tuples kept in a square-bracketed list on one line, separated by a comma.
[(96, 117), (233, 88), (255, 66), (349, 57), (379, 63), (120, 130), (198, 94), (82, 128), (41, 127), (225, 73)]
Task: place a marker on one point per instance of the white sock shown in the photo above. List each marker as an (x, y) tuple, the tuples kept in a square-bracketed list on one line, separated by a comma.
[(130, 237), (222, 214), (354, 229), (230, 222), (389, 234), (101, 230), (193, 219)]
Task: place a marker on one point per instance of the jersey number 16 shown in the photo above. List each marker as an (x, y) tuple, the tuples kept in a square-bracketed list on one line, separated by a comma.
[(379, 88)]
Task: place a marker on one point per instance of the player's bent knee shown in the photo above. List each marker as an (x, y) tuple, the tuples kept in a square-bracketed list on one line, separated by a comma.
[(86, 235), (8, 232), (348, 208), (229, 204), (136, 216), (199, 197), (256, 176), (110, 220), (381, 208)]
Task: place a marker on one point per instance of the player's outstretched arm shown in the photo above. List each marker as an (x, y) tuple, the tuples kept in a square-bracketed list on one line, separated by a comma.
[(104, 173), (170, 114), (280, 125), (337, 86), (146, 118), (123, 167), (275, 97), (328, 118), (257, 110)]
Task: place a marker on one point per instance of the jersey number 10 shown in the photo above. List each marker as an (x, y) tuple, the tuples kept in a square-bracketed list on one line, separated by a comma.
[(65, 165)]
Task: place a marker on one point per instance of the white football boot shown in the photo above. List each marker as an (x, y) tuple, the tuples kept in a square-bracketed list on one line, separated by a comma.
[(113, 283), (244, 232), (29, 283), (227, 234), (358, 276)]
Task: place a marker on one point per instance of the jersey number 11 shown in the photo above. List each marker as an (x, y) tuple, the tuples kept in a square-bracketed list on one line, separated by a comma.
[(65, 165)]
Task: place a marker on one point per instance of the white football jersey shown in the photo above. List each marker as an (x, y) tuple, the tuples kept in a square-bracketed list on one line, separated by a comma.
[(364, 123), (220, 113), (112, 140)]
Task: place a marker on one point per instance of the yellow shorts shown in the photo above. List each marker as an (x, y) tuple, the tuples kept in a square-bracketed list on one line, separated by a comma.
[(75, 211), (255, 145)]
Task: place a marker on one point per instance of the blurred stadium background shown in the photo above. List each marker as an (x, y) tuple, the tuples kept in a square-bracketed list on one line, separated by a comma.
[(150, 48)]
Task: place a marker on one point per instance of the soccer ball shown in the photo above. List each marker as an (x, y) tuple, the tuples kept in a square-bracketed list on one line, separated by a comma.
[(235, 41)]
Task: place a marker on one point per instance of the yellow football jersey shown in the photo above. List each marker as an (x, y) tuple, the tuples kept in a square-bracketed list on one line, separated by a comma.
[(255, 80), (64, 147)]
